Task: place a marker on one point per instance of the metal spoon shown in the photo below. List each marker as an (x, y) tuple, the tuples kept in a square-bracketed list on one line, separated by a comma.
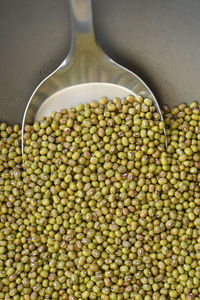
[(86, 74)]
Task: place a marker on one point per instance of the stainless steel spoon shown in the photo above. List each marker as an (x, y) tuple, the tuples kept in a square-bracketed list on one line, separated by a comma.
[(86, 74)]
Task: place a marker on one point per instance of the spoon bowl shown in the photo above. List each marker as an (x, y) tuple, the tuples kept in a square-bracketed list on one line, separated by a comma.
[(86, 74), (80, 93)]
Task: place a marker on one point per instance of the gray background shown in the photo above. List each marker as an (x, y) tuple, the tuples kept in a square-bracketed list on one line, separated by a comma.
[(157, 39)]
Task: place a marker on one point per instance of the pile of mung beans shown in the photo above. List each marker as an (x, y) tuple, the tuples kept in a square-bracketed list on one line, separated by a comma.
[(98, 207)]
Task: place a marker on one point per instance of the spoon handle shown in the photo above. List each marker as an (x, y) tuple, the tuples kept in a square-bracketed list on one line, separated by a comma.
[(82, 27)]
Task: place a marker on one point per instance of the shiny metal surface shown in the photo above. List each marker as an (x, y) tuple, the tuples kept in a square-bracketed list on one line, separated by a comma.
[(85, 63), (157, 39)]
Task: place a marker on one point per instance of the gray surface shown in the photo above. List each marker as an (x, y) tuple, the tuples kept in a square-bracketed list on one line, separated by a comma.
[(157, 39)]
